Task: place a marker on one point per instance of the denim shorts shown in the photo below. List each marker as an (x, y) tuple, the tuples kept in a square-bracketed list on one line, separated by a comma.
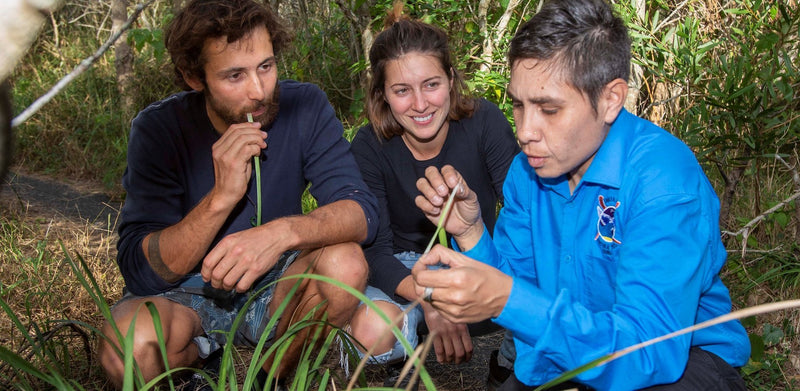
[(410, 321), (218, 308)]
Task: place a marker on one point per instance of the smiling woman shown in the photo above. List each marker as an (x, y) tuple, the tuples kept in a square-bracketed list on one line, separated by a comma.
[(421, 117)]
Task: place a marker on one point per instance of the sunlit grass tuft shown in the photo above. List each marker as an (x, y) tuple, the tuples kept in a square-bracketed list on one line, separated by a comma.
[(54, 300)]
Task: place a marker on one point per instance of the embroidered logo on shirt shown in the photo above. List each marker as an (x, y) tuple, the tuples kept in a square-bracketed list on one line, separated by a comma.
[(606, 229)]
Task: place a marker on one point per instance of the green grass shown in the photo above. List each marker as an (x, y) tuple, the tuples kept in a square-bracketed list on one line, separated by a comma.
[(48, 353), (703, 71)]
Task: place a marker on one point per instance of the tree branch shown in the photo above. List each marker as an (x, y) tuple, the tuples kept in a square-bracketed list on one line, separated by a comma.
[(348, 13), (79, 69), (745, 231)]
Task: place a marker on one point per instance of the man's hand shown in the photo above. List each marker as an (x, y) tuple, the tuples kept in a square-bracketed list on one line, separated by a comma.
[(451, 341), (469, 291), (232, 155), (464, 221), (241, 258), (176, 250)]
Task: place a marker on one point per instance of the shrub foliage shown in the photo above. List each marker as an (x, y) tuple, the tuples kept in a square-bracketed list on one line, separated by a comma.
[(721, 75)]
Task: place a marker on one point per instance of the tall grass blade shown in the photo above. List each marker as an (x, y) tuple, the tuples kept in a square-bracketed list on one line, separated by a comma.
[(743, 313), (323, 381), (160, 337), (20, 364), (17, 323), (90, 285), (307, 371), (259, 359), (92, 288), (326, 345), (127, 358)]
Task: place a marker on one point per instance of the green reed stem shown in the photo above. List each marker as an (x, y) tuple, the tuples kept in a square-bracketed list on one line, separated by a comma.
[(439, 231), (257, 164)]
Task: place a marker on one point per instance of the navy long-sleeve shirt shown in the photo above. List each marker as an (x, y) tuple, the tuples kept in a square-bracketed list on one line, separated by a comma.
[(170, 169)]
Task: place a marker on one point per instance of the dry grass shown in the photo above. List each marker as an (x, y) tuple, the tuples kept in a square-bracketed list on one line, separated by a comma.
[(40, 287)]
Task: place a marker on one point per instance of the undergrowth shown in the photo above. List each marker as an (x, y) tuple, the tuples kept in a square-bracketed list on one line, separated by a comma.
[(722, 76)]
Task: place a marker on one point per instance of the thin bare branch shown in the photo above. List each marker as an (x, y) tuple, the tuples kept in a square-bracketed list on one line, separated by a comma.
[(78, 70), (673, 16), (793, 170), (747, 228), (769, 251), (745, 231)]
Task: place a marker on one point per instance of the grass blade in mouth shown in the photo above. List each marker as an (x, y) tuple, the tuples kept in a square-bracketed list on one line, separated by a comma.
[(257, 164)]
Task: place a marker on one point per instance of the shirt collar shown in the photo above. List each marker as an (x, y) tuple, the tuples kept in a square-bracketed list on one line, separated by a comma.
[(608, 165)]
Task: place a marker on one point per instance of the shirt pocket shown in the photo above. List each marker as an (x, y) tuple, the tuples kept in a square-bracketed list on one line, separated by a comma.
[(601, 278)]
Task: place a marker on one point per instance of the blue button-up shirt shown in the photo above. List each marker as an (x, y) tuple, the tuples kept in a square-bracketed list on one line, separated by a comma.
[(632, 254)]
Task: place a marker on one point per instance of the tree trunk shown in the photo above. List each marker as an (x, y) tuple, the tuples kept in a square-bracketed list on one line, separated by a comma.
[(492, 38), (637, 73), (361, 24), (123, 53), (731, 181), (483, 26), (796, 180)]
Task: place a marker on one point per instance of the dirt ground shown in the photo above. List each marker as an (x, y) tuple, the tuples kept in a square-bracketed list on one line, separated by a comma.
[(48, 197), (82, 203)]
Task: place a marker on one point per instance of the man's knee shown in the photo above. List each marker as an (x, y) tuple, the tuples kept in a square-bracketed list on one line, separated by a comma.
[(110, 356), (346, 263), (178, 326), (112, 345)]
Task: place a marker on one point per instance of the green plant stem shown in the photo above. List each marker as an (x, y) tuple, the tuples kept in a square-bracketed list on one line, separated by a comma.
[(439, 232), (257, 164)]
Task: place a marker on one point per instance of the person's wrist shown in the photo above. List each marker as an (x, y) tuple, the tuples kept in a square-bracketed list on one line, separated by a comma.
[(470, 237), (218, 202), (282, 231)]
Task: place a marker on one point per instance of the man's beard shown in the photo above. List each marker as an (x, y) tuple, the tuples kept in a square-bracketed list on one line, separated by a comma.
[(230, 116)]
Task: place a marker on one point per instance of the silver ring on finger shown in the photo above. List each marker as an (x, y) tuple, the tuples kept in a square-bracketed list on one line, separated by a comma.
[(427, 295)]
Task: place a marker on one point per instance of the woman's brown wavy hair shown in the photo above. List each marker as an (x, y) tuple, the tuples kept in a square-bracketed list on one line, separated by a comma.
[(400, 36)]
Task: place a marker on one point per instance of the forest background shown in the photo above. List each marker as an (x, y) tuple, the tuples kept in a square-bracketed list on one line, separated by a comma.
[(721, 75)]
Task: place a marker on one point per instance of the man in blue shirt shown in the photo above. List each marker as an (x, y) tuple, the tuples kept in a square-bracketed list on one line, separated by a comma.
[(194, 238), (609, 234)]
